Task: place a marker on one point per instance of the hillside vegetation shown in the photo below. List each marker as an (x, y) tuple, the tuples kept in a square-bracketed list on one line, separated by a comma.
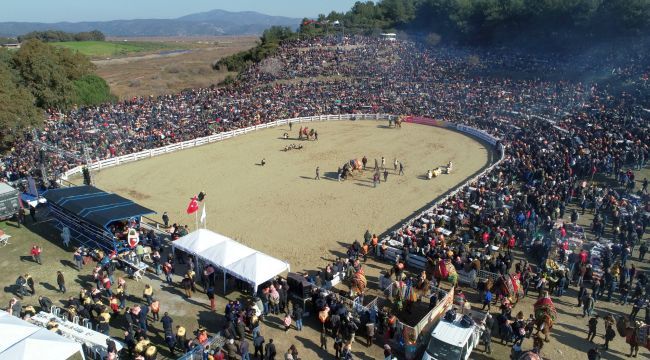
[(497, 21), (58, 36), (40, 77)]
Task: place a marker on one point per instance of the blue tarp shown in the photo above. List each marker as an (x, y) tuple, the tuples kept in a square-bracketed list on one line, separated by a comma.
[(94, 205)]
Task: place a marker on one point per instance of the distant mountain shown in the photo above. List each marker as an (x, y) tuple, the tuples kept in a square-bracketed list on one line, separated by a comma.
[(215, 22)]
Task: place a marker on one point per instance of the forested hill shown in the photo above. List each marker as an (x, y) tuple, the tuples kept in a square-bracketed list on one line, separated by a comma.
[(215, 22), (498, 21)]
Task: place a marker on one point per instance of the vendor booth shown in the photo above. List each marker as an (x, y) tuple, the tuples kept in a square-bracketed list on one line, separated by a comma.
[(231, 257), (95, 218)]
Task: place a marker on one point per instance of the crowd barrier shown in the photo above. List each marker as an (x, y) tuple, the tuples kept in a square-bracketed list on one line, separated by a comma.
[(196, 353), (116, 161)]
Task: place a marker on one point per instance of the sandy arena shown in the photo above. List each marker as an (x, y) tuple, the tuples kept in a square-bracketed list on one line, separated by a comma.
[(279, 208)]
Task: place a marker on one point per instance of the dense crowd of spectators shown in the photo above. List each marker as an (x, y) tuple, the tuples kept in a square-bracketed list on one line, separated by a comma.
[(392, 77), (558, 135)]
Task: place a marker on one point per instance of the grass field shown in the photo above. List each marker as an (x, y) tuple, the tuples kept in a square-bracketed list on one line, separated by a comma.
[(104, 49)]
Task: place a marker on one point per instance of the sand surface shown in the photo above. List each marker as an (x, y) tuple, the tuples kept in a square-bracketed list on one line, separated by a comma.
[(279, 208)]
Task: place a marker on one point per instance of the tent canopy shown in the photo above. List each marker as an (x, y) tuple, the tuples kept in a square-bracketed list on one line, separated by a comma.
[(94, 205), (22, 340), (231, 257), (255, 268)]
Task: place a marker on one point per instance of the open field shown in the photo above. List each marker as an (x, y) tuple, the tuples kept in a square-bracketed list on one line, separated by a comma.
[(279, 208), (104, 49), (163, 72)]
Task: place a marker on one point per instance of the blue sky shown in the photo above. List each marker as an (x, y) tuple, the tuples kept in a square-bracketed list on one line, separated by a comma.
[(94, 10)]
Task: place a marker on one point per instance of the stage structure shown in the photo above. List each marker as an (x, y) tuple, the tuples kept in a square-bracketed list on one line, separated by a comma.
[(95, 218)]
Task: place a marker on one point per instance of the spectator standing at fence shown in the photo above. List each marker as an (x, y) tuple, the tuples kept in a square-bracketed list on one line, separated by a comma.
[(165, 219)]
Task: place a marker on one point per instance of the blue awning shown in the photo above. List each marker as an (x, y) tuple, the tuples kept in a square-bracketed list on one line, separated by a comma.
[(95, 206)]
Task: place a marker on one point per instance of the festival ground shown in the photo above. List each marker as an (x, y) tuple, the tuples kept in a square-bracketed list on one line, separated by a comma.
[(567, 337), (279, 208)]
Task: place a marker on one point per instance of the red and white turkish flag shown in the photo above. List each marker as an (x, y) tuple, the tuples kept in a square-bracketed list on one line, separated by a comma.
[(193, 206)]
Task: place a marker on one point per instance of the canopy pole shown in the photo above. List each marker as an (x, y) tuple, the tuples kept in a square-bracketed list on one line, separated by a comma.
[(224, 282)]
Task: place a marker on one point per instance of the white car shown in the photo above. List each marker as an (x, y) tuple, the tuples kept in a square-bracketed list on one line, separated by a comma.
[(453, 341)]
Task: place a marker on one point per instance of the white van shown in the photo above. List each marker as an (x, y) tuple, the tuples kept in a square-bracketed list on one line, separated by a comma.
[(452, 341)]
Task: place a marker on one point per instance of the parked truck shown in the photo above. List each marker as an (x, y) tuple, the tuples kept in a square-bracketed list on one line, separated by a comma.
[(454, 338), (8, 201)]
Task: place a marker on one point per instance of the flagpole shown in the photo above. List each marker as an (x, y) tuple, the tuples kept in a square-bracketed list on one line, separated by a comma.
[(196, 219)]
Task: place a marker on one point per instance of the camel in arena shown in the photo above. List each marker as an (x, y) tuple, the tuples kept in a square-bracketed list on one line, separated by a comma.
[(351, 166), (434, 173), (396, 122), (305, 133)]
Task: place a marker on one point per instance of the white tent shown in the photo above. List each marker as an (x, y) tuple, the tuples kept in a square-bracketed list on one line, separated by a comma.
[(22, 340), (226, 253), (258, 268), (231, 257), (199, 241)]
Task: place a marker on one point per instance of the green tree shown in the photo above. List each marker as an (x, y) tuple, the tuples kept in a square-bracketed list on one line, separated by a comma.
[(17, 110), (41, 72), (91, 90)]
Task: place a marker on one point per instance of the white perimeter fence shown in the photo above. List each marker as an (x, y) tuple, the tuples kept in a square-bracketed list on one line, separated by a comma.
[(116, 161)]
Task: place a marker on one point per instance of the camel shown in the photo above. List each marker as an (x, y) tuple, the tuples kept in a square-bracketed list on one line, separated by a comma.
[(445, 270), (630, 330), (508, 287), (358, 282), (545, 315), (544, 324), (434, 173), (396, 122)]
